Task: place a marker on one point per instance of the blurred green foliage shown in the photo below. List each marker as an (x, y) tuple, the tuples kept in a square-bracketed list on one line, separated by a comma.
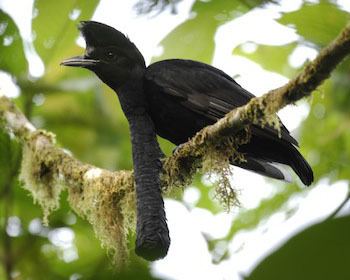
[(280, 54), (55, 32), (12, 58), (205, 18), (319, 252), (87, 119), (324, 21)]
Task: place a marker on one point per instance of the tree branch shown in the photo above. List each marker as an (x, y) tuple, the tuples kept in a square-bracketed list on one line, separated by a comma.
[(106, 199)]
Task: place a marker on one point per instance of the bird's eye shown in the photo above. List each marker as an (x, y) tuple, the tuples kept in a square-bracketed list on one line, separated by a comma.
[(111, 55)]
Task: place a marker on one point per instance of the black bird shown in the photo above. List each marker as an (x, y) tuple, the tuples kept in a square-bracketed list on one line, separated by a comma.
[(174, 98)]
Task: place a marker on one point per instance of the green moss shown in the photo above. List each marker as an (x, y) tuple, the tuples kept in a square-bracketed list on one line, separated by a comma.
[(219, 153), (179, 169), (38, 173), (107, 201), (260, 111)]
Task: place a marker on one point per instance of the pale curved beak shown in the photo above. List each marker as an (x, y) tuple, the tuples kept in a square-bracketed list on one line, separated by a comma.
[(79, 61)]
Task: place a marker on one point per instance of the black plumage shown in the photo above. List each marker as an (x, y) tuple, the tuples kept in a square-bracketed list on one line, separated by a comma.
[(174, 99)]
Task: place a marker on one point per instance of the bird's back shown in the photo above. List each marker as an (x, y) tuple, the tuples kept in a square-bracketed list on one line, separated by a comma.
[(185, 95)]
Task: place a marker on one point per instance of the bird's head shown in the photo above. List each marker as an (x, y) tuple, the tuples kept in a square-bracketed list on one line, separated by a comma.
[(109, 53)]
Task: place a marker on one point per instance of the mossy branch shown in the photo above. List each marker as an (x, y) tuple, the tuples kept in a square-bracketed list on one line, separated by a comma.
[(107, 200)]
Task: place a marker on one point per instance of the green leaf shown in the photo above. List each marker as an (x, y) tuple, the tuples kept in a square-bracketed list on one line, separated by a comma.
[(263, 54), (55, 28), (320, 252), (318, 23), (12, 58), (191, 40)]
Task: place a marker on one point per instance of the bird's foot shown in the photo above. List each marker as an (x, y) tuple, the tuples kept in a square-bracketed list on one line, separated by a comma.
[(177, 148)]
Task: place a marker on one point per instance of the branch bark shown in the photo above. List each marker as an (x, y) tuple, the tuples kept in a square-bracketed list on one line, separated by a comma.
[(107, 198)]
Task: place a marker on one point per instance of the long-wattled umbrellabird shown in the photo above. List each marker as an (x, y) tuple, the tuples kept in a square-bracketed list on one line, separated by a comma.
[(174, 98)]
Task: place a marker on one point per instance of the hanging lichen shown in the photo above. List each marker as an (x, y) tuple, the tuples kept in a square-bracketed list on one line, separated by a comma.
[(39, 176), (108, 203)]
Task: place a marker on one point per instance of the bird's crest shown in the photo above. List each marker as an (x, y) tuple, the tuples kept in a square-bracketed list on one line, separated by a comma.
[(100, 35)]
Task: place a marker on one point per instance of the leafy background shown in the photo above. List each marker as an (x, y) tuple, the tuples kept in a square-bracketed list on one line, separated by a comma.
[(88, 121)]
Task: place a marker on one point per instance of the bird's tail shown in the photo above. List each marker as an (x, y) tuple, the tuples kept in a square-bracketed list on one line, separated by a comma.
[(300, 166), (264, 168), (262, 152)]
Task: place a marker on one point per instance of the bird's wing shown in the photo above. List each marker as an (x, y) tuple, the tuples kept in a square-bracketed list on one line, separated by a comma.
[(204, 89)]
